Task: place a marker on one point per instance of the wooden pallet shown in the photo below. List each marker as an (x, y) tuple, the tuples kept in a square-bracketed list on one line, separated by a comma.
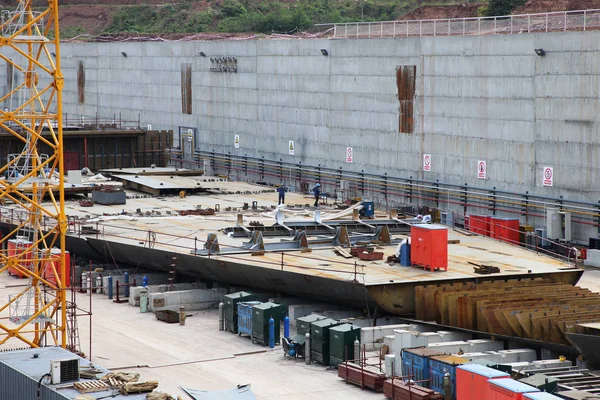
[(115, 383), (91, 386)]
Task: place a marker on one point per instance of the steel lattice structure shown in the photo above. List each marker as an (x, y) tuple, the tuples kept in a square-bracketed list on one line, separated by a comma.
[(32, 108)]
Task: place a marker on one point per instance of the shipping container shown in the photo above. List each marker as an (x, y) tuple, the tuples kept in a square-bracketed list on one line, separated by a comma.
[(479, 224), (18, 248), (439, 366), (303, 323), (261, 313), (472, 381), (540, 396), (231, 309), (429, 246), (505, 229), (244, 314), (415, 363), (507, 389), (319, 339), (341, 343), (50, 266)]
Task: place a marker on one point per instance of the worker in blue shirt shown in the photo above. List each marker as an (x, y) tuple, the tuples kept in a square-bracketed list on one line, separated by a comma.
[(281, 190), (317, 192)]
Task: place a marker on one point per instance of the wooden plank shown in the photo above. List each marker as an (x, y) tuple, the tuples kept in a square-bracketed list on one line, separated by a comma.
[(342, 252)]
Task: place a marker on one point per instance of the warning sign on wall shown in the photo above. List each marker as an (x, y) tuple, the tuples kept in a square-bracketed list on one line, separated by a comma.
[(481, 169), (548, 177), (291, 147), (426, 162), (349, 154), (236, 142)]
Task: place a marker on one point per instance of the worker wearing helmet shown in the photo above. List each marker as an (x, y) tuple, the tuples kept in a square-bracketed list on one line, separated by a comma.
[(317, 192)]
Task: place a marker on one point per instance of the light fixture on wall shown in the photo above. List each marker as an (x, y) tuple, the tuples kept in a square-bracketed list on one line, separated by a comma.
[(124, 54), (202, 54), (324, 52), (540, 52)]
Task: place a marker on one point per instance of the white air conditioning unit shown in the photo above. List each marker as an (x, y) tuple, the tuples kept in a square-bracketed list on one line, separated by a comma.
[(63, 371)]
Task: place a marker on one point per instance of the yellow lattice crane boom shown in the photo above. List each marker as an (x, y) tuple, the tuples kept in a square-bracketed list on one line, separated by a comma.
[(32, 180)]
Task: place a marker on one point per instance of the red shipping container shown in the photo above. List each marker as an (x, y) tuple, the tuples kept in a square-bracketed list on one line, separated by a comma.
[(505, 229), (480, 224), (472, 381), (17, 248), (429, 246), (49, 267), (507, 389)]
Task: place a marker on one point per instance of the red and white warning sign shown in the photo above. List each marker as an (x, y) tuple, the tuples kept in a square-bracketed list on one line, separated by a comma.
[(349, 154), (426, 162), (548, 176), (481, 169)]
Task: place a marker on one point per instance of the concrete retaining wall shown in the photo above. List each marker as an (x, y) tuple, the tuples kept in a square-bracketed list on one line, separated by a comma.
[(477, 98)]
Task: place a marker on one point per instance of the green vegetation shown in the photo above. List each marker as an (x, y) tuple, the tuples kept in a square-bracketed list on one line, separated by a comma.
[(501, 7), (257, 16), (171, 18)]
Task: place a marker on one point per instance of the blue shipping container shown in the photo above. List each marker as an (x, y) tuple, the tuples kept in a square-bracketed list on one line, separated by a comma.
[(415, 364), (439, 366), (245, 317)]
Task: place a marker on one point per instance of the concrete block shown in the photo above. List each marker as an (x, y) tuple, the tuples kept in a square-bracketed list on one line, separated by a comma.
[(484, 355), (370, 335), (544, 364), (198, 299), (485, 345), (360, 322), (451, 336), (451, 347), (426, 338), (134, 296), (402, 339), (389, 367), (519, 355), (388, 341), (296, 311)]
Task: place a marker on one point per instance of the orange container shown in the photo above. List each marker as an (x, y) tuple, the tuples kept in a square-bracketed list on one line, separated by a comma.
[(507, 389), (480, 224), (505, 229), (18, 248), (472, 381), (54, 264), (429, 246)]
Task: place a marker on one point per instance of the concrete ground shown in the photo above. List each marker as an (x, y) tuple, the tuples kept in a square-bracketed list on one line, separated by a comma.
[(196, 355), (200, 356)]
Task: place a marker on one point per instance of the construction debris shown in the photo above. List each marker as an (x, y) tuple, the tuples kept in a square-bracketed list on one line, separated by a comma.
[(138, 387), (339, 250), (208, 211), (159, 396), (117, 379), (484, 269)]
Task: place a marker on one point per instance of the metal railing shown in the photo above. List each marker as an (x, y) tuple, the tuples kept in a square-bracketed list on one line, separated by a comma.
[(580, 20)]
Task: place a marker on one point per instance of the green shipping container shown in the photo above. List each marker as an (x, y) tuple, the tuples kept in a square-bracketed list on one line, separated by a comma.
[(319, 339), (231, 306), (261, 314), (303, 323), (341, 343)]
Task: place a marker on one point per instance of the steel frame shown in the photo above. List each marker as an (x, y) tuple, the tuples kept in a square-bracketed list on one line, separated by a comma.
[(35, 106)]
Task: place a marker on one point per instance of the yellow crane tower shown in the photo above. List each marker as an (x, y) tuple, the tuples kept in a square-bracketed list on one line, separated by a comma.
[(32, 180)]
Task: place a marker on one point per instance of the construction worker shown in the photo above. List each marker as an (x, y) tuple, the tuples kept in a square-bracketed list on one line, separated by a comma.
[(281, 190), (317, 192)]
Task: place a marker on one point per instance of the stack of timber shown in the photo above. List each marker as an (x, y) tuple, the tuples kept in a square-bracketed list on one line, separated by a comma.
[(534, 309), (363, 376), (398, 390)]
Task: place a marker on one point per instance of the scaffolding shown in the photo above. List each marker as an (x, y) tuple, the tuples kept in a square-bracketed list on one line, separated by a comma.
[(35, 245)]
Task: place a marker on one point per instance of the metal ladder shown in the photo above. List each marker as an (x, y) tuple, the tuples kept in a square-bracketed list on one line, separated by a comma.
[(74, 344), (172, 272)]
